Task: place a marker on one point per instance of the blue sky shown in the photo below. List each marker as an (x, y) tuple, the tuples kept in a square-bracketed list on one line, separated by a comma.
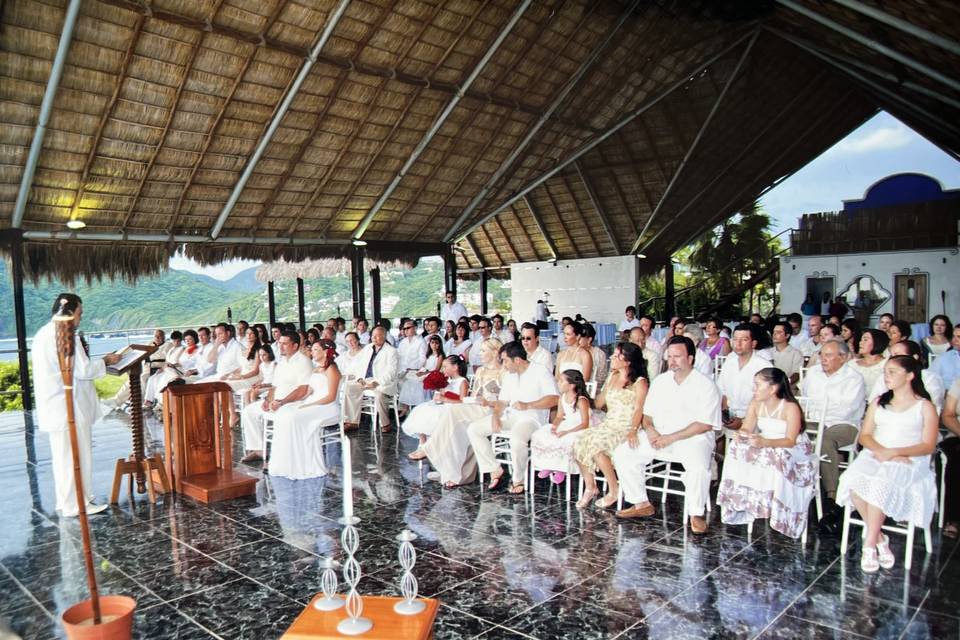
[(880, 147)]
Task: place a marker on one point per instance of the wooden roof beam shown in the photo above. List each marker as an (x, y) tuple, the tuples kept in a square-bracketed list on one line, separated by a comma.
[(560, 97), (476, 252), (541, 227), (46, 108), (440, 120), (506, 236), (871, 44), (496, 251), (526, 234), (902, 25), (746, 149), (332, 20), (595, 201), (563, 228), (696, 140), (536, 182), (580, 213)]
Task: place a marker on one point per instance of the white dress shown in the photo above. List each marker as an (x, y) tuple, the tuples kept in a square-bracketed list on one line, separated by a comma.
[(245, 383), (296, 452), (555, 453), (159, 381), (454, 349), (903, 491), (425, 417), (776, 483), (412, 392)]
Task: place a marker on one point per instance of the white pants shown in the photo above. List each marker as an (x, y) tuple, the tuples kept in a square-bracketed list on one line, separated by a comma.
[(62, 458), (518, 428), (695, 454), (251, 421)]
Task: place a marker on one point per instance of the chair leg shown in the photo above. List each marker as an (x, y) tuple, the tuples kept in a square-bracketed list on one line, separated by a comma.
[(845, 535), (818, 499), (531, 479), (749, 530), (908, 554), (927, 539), (666, 483)]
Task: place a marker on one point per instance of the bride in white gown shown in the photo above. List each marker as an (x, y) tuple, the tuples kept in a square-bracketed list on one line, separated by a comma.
[(296, 452)]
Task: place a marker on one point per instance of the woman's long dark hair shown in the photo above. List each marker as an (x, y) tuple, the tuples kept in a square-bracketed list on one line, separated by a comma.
[(575, 378), (435, 340), (856, 332), (636, 364), (777, 378), (271, 356), (910, 365)]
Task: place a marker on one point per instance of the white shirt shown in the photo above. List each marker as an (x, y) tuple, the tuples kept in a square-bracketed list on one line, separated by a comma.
[(48, 388), (230, 357), (364, 337), (653, 363), (789, 360), (673, 407), (204, 366), (540, 315), (626, 325), (931, 382), (703, 363), (542, 357), (796, 341), (385, 367), (844, 391), (533, 384), (412, 353), (736, 383), (453, 312), (291, 373), (504, 335), (809, 348)]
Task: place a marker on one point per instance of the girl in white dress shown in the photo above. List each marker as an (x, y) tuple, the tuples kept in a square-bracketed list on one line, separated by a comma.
[(296, 452), (412, 392), (892, 476), (424, 418), (268, 363), (769, 470), (551, 446), (244, 377)]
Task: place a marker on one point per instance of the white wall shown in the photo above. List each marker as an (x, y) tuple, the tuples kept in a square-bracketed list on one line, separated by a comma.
[(597, 288), (941, 265)]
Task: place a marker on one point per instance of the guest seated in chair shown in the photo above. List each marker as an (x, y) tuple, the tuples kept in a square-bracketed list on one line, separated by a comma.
[(551, 446), (680, 415), (268, 364), (426, 416), (835, 382), (290, 384), (375, 370), (527, 394), (892, 477), (574, 353), (951, 471), (769, 470), (623, 398), (297, 452)]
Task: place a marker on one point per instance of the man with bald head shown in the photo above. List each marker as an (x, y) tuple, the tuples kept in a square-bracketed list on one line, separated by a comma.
[(376, 370), (838, 385)]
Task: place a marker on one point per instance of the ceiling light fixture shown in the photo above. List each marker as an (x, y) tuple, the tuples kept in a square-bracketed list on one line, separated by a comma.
[(76, 224), (359, 243)]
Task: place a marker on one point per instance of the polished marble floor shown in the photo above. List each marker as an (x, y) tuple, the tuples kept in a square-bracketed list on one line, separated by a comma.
[(502, 566)]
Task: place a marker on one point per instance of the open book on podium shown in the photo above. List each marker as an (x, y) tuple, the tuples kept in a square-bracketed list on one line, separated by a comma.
[(199, 442), (130, 355)]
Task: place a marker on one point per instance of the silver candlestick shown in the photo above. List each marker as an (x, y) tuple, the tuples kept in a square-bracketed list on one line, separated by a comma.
[(407, 554), (353, 625), (328, 583)]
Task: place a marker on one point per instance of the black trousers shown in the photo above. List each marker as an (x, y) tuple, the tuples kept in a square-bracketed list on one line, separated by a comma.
[(951, 473)]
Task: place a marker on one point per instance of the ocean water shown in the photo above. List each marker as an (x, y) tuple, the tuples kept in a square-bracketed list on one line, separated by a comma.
[(98, 346)]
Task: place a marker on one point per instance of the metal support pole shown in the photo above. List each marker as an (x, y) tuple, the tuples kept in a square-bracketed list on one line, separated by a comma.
[(450, 271), (271, 304), (16, 253), (669, 293), (375, 294), (356, 278), (301, 313), (483, 293)]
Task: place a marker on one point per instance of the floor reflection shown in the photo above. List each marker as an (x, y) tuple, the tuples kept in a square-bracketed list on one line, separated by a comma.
[(503, 566)]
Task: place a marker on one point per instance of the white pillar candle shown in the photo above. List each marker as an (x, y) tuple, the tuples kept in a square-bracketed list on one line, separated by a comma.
[(347, 480)]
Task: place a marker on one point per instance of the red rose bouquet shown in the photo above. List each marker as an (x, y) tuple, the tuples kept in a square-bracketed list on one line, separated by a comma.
[(434, 381)]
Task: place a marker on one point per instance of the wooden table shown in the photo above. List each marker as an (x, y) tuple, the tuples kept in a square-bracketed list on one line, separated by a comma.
[(387, 624)]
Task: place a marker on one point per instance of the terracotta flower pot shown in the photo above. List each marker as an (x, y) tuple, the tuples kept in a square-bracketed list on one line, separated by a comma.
[(116, 614)]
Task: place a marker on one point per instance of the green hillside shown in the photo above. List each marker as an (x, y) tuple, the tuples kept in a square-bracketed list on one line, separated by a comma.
[(179, 298)]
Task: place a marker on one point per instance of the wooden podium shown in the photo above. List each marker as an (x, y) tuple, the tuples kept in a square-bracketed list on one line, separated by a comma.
[(199, 444)]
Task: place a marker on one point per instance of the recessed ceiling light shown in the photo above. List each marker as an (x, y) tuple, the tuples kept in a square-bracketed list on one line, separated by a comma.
[(359, 243), (76, 224), (641, 256)]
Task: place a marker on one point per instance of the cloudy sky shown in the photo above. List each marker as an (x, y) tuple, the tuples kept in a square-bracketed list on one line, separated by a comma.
[(880, 147)]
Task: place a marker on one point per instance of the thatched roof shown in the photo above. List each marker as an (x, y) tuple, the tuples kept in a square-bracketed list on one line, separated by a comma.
[(327, 267), (700, 106)]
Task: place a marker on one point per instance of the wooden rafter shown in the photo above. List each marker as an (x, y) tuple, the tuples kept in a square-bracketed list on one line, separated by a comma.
[(413, 98), (541, 226), (187, 69), (476, 252), (621, 196), (371, 70), (107, 113), (594, 198), (218, 120), (580, 213), (563, 227), (506, 236), (496, 252), (526, 234)]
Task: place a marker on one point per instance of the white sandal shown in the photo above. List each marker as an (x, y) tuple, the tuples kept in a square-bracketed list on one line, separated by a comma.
[(868, 560), (885, 557)]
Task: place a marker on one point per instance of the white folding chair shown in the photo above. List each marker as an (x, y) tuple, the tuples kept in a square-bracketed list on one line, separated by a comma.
[(592, 388), (664, 470), (534, 468), (814, 413), (718, 365), (907, 530), (502, 454), (601, 480), (943, 487), (368, 407), (267, 437)]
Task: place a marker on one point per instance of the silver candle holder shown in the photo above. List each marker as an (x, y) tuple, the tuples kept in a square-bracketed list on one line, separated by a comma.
[(353, 624), (407, 555), (328, 584)]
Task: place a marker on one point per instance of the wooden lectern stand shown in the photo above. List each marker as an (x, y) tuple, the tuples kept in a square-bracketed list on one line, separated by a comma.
[(199, 445), (138, 466)]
